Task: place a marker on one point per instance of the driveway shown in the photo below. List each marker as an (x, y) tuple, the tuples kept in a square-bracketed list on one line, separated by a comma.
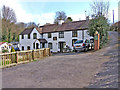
[(60, 71)]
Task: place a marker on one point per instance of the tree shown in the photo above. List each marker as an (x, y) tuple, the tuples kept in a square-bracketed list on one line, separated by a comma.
[(8, 14), (69, 19), (100, 8), (99, 21), (31, 24), (14, 37), (9, 35), (60, 16)]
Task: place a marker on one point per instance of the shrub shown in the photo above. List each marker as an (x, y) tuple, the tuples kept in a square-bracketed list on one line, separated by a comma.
[(12, 50), (5, 50)]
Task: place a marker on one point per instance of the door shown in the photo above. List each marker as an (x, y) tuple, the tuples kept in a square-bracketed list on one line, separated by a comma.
[(62, 44), (37, 45), (43, 45)]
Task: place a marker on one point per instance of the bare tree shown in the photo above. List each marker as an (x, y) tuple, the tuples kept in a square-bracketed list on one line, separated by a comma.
[(100, 7), (60, 16), (8, 14)]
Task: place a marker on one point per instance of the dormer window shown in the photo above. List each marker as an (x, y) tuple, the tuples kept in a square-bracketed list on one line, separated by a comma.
[(34, 35), (22, 36), (28, 36)]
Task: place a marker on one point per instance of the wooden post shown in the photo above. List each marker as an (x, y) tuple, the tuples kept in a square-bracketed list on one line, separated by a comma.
[(44, 52), (33, 57), (16, 57), (5, 60), (98, 41), (27, 55)]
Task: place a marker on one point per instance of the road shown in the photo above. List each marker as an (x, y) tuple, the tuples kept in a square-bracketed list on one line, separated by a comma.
[(108, 76), (67, 71)]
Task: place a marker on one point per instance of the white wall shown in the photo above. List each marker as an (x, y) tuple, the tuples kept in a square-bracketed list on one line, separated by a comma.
[(3, 45), (86, 36), (67, 38), (55, 43), (28, 42)]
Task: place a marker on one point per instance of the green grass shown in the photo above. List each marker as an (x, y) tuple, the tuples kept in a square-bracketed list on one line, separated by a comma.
[(35, 60), (7, 63)]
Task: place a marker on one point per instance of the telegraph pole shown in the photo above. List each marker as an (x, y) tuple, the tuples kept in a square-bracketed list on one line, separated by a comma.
[(113, 16)]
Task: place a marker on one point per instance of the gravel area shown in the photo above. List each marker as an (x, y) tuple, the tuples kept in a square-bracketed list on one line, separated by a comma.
[(60, 71)]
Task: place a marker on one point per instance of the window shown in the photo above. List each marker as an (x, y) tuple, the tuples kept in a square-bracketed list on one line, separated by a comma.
[(28, 36), (50, 45), (61, 34), (74, 33), (33, 45), (22, 36), (34, 35), (54, 38), (22, 47), (28, 47), (78, 42), (49, 35)]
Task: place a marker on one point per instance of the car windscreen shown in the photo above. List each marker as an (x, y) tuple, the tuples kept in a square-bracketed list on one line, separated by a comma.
[(79, 41)]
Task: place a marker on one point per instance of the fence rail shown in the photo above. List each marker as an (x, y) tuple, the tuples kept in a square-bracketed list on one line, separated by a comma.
[(7, 59)]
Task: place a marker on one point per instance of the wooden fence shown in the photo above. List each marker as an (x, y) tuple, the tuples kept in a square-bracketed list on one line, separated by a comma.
[(13, 58)]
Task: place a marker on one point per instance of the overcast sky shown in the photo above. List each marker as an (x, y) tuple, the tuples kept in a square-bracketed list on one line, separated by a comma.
[(44, 12)]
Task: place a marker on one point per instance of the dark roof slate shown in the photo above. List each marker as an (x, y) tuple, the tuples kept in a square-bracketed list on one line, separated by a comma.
[(75, 25), (67, 26), (27, 31)]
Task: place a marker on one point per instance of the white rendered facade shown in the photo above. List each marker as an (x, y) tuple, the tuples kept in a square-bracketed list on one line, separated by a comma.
[(28, 42)]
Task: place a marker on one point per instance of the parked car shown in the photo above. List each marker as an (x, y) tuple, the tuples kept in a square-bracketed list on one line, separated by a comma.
[(81, 45)]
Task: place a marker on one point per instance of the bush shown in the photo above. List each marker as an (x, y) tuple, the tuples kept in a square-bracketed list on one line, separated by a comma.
[(100, 24), (5, 50), (12, 50)]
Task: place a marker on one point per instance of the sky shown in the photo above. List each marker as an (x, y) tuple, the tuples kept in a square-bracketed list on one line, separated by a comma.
[(43, 12)]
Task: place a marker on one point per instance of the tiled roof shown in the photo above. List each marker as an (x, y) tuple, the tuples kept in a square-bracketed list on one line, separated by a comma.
[(75, 25), (67, 26), (27, 31), (2, 43)]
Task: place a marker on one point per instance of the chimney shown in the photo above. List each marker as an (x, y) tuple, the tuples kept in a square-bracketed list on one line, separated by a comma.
[(87, 18), (40, 29)]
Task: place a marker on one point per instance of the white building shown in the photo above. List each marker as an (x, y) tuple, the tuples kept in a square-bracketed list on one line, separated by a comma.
[(30, 39), (4, 46), (54, 36)]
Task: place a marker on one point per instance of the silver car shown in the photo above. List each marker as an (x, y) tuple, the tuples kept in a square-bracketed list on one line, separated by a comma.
[(81, 45)]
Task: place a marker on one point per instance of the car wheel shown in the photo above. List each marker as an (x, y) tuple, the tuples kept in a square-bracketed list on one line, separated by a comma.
[(75, 50), (85, 49)]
